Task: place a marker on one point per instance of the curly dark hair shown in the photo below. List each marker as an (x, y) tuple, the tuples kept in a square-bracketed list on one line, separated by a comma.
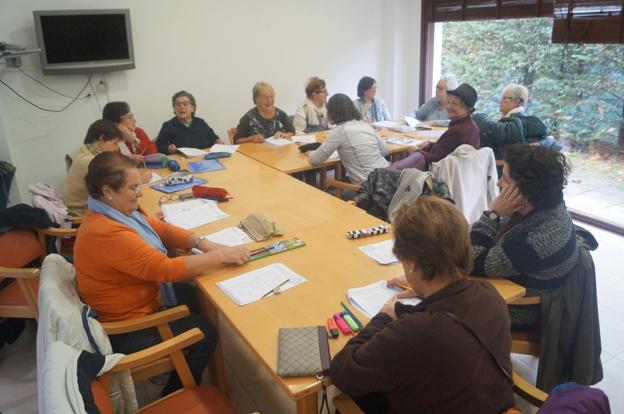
[(340, 109), (539, 172)]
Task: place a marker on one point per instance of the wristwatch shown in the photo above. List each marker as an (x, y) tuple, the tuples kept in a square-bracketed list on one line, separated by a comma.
[(199, 240), (492, 215)]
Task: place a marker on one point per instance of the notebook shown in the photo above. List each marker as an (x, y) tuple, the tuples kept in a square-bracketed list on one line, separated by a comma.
[(205, 166)]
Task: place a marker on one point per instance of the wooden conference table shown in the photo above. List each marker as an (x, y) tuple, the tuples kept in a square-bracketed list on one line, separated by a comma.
[(330, 262), (288, 159)]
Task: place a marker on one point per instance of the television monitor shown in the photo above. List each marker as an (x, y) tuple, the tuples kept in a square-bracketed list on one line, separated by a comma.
[(84, 41)]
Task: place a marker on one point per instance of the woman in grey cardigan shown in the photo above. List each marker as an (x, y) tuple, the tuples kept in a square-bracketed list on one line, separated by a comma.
[(527, 235)]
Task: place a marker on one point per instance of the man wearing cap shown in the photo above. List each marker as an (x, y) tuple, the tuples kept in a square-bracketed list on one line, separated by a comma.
[(462, 130)]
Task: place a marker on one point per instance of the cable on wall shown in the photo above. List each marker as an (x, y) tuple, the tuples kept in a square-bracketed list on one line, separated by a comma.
[(74, 99), (47, 87)]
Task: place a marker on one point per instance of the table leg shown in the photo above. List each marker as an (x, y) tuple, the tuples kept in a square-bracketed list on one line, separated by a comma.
[(216, 366), (323, 177), (308, 404)]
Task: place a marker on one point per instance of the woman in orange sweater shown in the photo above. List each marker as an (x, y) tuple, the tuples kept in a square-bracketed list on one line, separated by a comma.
[(122, 266)]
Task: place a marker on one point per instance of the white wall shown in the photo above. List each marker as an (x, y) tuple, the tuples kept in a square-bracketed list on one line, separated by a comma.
[(215, 49)]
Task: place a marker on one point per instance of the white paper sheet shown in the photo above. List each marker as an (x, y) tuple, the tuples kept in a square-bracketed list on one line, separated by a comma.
[(278, 142), (413, 122), (388, 124), (224, 148), (304, 139), (250, 287), (404, 141), (154, 178), (370, 299), (334, 156), (380, 252), (193, 213), (191, 152), (230, 236)]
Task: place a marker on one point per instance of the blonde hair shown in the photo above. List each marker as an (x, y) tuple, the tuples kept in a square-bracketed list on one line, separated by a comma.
[(434, 235), (261, 88)]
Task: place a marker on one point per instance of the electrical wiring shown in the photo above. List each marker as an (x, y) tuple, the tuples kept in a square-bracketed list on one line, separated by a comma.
[(74, 99), (47, 87)]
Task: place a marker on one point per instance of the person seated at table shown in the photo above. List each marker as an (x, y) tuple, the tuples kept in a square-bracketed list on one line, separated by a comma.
[(122, 266), (312, 115), (372, 108), (136, 143), (359, 147), (514, 126), (102, 135), (435, 108), (462, 130), (264, 120), (527, 235), (426, 358), (185, 129)]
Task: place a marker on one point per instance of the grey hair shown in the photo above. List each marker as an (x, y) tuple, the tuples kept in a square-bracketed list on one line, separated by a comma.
[(450, 80), (518, 92)]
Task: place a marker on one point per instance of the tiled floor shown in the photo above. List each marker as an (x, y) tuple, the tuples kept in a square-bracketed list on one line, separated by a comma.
[(252, 388)]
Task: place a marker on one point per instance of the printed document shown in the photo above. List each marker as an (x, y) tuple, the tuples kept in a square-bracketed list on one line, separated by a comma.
[(224, 148), (252, 286), (381, 252), (278, 142), (304, 139), (370, 299), (231, 236), (192, 152), (404, 141), (193, 213)]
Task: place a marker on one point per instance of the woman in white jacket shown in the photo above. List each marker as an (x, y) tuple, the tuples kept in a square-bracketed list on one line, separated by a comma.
[(312, 115)]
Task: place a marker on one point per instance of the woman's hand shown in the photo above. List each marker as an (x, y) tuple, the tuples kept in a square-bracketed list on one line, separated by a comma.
[(258, 139), (424, 146), (126, 134), (171, 149), (401, 282), (388, 308), (509, 201), (138, 158), (234, 255), (219, 141)]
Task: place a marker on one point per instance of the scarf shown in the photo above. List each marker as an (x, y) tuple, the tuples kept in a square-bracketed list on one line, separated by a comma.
[(313, 112), (138, 223), (516, 110)]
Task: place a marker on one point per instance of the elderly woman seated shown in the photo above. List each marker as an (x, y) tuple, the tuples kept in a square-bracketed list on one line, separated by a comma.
[(435, 108), (527, 235), (185, 129), (359, 147), (136, 141), (426, 358), (122, 266), (514, 126), (265, 120), (312, 115), (462, 130), (102, 135)]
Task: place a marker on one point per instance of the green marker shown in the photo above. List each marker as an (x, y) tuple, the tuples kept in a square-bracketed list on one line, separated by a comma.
[(349, 320)]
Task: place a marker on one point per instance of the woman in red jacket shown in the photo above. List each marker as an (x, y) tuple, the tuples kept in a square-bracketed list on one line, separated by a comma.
[(136, 141)]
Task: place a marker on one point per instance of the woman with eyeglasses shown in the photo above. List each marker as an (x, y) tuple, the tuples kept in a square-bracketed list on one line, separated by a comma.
[(514, 126), (312, 115), (122, 266), (185, 129), (136, 143), (372, 108)]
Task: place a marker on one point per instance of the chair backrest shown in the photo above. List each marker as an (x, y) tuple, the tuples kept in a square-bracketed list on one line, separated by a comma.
[(471, 177), (231, 132)]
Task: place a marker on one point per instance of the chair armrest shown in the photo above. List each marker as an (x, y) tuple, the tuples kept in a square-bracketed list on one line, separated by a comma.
[(527, 391), (149, 321), (57, 232), (346, 405), (19, 273), (530, 300), (330, 182), (159, 351)]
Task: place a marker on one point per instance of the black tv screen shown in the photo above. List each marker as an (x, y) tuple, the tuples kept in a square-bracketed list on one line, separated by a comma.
[(84, 41)]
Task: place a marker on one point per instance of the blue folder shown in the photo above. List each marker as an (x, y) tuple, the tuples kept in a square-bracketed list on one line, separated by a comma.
[(205, 166)]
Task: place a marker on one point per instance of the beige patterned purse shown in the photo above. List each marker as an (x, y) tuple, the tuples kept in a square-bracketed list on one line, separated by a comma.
[(303, 352)]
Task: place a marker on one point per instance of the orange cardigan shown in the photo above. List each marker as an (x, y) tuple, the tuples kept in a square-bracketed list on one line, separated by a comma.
[(118, 272)]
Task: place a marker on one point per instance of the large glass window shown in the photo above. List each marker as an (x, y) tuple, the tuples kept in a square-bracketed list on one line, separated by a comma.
[(577, 90)]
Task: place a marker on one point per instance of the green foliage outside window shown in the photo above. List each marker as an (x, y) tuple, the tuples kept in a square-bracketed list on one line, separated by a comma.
[(577, 90)]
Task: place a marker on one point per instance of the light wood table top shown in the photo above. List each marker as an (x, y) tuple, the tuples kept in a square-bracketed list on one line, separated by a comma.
[(331, 263), (288, 159)]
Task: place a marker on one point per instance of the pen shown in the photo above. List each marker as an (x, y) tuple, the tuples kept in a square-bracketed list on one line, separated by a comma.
[(404, 287), (356, 320), (276, 288), (261, 250)]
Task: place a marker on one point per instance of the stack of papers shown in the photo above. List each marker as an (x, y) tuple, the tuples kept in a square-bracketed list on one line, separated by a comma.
[(370, 299), (251, 287), (193, 213), (404, 141), (431, 134), (192, 152), (304, 139), (278, 142), (388, 124), (381, 252), (224, 148), (231, 236)]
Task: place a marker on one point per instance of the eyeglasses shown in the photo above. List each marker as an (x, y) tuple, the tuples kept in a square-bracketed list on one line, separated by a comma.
[(507, 97), (129, 116), (183, 103), (174, 198), (136, 188), (321, 91)]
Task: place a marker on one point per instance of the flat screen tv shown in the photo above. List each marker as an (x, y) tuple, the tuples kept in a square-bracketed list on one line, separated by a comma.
[(84, 41)]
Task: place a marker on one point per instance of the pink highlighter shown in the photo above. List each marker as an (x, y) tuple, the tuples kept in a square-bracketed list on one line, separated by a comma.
[(342, 325)]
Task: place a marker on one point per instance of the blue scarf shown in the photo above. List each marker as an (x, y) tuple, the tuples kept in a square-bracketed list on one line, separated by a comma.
[(137, 222)]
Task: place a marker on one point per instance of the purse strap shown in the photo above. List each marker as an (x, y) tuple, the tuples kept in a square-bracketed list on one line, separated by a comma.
[(478, 338)]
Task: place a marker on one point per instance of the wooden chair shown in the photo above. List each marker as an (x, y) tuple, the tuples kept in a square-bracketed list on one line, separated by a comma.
[(190, 399), (231, 132), (340, 186), (19, 248), (526, 342)]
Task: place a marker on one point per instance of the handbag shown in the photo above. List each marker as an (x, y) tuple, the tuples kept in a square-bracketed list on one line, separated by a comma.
[(303, 352)]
